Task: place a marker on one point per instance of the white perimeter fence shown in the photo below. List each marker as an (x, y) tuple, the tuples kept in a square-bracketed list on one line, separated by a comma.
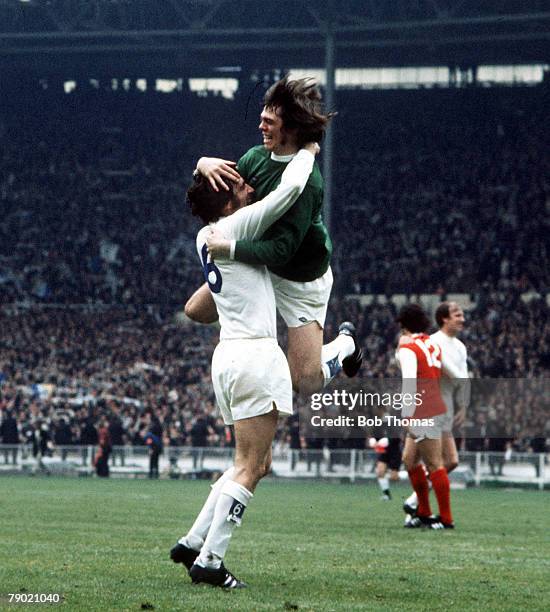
[(346, 465)]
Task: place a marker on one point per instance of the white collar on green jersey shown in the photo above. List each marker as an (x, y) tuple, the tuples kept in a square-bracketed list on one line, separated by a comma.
[(282, 158)]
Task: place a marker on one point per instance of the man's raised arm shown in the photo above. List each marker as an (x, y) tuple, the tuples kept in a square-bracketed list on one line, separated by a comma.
[(252, 221)]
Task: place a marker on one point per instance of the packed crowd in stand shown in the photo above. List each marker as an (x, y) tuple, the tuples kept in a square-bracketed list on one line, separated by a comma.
[(97, 252), (66, 369), (450, 194), (447, 198)]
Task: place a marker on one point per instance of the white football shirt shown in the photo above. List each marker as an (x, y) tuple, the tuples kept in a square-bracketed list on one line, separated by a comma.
[(455, 366)]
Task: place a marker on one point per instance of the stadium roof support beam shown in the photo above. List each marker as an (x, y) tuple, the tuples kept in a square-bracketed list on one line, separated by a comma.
[(197, 33), (361, 26), (365, 25), (328, 145), (143, 46)]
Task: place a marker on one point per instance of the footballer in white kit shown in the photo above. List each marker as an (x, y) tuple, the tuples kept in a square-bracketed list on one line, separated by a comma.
[(455, 386), (249, 369), (453, 390), (250, 372)]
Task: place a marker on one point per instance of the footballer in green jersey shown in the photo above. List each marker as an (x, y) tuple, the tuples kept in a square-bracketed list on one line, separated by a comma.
[(298, 246)]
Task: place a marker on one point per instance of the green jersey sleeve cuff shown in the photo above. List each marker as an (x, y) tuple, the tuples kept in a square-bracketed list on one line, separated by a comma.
[(245, 252)]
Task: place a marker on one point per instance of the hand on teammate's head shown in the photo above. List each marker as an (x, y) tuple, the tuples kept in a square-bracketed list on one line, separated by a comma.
[(216, 170)]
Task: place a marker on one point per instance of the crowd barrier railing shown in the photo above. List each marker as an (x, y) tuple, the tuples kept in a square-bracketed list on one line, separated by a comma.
[(349, 465)]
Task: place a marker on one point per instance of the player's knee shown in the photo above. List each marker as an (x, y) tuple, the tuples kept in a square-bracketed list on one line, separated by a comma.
[(433, 466), (250, 473), (451, 464)]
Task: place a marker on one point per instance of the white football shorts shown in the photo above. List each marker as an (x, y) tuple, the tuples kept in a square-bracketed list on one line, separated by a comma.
[(302, 303), (429, 432), (249, 375), (447, 393)]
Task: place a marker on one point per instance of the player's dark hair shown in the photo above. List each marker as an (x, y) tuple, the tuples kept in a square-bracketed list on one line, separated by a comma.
[(413, 318), (206, 203), (300, 108), (443, 311)]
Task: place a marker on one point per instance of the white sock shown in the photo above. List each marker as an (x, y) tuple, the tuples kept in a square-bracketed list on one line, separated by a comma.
[(334, 353), (412, 500), (384, 484), (197, 534), (230, 506)]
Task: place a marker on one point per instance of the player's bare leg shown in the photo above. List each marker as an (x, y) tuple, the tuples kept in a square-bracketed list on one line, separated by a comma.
[(383, 480), (450, 462), (380, 469), (450, 453), (312, 365), (419, 482), (304, 357), (253, 440), (432, 455), (417, 455), (411, 455)]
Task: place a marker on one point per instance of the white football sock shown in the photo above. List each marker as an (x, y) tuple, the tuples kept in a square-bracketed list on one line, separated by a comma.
[(384, 484), (334, 353), (197, 534), (412, 500), (230, 506)]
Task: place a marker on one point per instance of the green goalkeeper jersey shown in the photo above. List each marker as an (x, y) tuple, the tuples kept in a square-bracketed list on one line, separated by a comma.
[(297, 246)]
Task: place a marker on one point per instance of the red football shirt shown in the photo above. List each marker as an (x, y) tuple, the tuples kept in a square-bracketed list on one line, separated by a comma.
[(428, 374)]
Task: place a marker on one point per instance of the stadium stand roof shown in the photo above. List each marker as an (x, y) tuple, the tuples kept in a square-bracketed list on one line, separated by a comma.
[(190, 37)]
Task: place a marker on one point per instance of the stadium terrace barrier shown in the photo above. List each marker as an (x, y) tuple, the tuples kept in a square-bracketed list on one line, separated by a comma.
[(431, 300), (476, 468)]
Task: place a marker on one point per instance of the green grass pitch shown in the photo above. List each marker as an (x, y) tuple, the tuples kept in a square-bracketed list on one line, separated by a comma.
[(103, 545)]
